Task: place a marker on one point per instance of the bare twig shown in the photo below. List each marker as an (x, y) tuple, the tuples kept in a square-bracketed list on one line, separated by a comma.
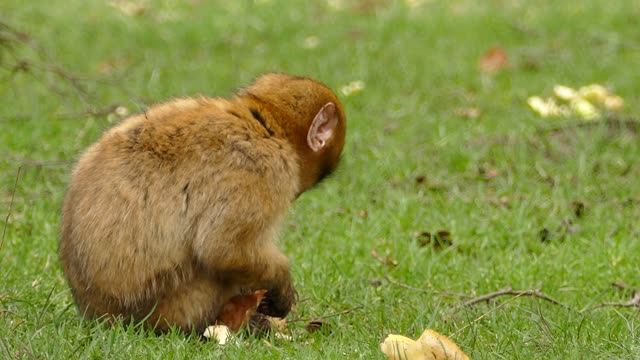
[(485, 315), (6, 220), (509, 291), (343, 312), (635, 302), (39, 65)]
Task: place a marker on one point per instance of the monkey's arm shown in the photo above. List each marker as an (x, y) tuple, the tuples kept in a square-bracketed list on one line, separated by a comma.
[(236, 231)]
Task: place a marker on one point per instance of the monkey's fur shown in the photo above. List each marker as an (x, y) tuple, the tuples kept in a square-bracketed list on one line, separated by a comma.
[(174, 211)]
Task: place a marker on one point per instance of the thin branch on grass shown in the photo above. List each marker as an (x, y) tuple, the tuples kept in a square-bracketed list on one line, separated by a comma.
[(6, 220), (635, 302), (510, 292), (485, 315), (343, 312), (11, 39), (40, 66)]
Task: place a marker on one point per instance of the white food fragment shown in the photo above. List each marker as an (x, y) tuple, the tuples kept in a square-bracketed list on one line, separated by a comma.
[(221, 333), (281, 336)]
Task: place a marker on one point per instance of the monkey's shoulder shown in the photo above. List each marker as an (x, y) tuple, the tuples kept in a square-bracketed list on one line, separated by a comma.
[(195, 136)]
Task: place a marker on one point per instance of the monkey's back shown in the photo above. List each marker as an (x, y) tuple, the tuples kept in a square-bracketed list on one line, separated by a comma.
[(164, 189)]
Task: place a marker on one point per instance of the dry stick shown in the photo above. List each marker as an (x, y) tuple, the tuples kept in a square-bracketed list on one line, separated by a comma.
[(343, 312), (509, 291), (485, 315), (6, 220), (10, 36), (635, 302)]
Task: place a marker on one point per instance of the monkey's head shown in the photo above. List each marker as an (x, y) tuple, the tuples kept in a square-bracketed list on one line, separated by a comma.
[(309, 115)]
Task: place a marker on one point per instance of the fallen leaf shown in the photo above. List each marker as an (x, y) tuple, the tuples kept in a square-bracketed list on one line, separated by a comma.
[(578, 208), (493, 61), (388, 261), (545, 235), (313, 326), (441, 239), (620, 285)]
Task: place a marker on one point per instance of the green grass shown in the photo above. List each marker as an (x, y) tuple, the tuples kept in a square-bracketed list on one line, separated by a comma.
[(494, 182)]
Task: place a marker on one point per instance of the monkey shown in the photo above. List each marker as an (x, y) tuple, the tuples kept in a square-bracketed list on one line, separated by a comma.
[(176, 210)]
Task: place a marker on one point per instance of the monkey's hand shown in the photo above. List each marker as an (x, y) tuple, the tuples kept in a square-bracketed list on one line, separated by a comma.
[(278, 301)]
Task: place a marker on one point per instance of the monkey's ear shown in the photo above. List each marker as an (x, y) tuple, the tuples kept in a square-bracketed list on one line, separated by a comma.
[(322, 127)]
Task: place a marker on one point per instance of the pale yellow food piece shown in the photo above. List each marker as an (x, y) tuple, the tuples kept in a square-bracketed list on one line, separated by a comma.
[(584, 109), (594, 92), (430, 346), (546, 107), (439, 346), (565, 92), (398, 347), (613, 102)]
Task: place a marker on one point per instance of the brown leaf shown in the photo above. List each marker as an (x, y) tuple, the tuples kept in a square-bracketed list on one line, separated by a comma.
[(578, 208), (545, 235), (316, 325), (388, 261), (620, 285), (420, 179), (440, 240), (493, 61)]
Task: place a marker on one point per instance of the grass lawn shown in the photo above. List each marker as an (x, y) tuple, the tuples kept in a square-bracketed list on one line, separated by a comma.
[(435, 145)]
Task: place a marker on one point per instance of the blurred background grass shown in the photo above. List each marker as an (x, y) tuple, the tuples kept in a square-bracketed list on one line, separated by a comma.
[(434, 144)]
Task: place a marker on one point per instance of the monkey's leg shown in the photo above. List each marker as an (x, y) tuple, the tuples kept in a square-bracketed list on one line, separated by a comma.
[(191, 306)]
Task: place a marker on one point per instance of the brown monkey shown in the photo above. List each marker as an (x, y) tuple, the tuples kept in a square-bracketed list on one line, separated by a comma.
[(175, 211)]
